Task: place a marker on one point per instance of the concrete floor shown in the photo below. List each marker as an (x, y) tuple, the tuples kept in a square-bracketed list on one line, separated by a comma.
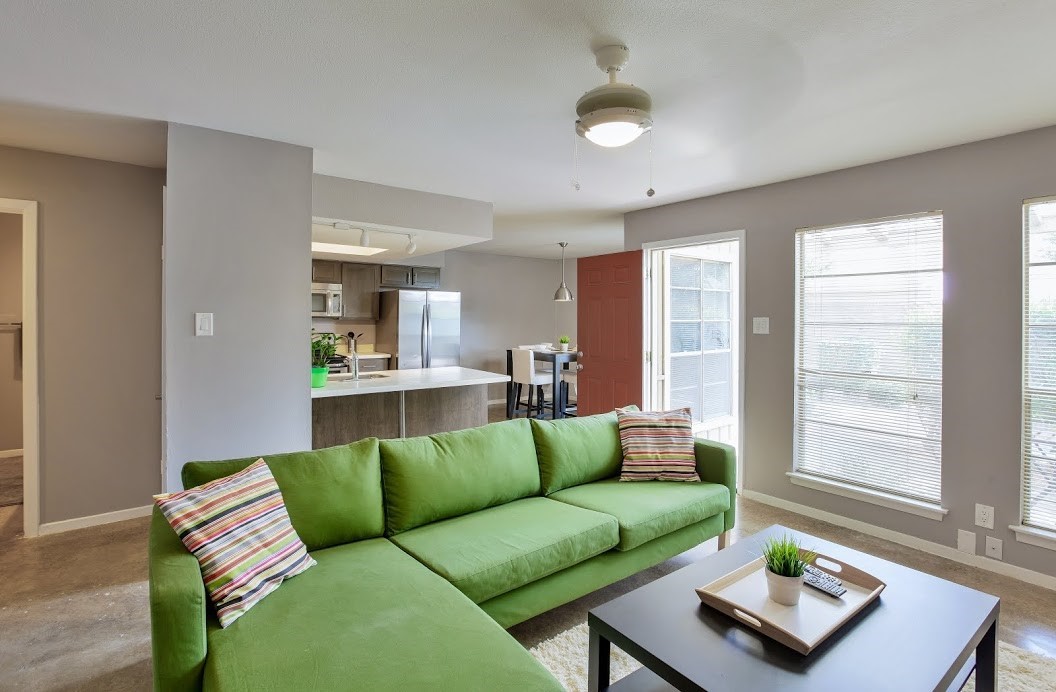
[(74, 614)]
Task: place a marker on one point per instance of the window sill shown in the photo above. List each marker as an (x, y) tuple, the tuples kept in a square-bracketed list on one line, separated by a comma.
[(873, 497), (1034, 536)]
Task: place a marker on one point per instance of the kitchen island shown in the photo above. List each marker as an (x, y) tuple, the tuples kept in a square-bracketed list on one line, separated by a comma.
[(400, 403)]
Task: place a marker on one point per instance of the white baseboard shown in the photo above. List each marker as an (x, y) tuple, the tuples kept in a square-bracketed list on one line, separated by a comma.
[(95, 520), (8, 453), (948, 552), (496, 402)]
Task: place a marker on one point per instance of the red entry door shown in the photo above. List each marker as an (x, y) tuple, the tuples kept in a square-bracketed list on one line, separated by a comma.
[(609, 325)]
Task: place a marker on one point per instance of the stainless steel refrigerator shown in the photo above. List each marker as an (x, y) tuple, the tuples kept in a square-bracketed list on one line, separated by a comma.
[(421, 329)]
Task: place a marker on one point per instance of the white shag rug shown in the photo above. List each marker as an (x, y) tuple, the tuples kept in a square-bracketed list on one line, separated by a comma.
[(566, 657)]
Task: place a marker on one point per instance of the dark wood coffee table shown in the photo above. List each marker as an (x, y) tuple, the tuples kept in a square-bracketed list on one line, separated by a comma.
[(923, 633)]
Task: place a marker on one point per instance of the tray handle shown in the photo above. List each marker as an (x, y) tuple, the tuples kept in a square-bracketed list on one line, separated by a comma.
[(752, 619), (846, 572)]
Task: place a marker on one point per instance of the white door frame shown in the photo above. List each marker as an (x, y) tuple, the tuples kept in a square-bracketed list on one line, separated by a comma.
[(30, 365), (652, 295)]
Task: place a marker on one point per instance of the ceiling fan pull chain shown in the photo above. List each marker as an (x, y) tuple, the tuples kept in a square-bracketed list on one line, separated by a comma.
[(575, 161), (650, 192)]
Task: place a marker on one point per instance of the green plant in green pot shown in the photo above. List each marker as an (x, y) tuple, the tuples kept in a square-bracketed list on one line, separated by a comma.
[(324, 347), (785, 563)]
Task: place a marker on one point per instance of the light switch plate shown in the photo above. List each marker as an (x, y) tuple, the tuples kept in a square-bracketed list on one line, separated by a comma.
[(966, 541), (993, 547), (760, 325), (203, 324), (984, 516)]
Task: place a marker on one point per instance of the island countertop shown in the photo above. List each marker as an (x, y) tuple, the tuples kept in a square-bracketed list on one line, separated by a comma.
[(406, 380)]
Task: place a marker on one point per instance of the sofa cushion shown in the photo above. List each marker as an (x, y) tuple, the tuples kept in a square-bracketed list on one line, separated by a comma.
[(238, 530), (577, 450), (432, 478), (648, 510), (333, 495), (368, 617), (495, 550)]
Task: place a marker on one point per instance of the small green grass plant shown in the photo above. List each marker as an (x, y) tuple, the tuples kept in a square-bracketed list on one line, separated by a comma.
[(783, 557)]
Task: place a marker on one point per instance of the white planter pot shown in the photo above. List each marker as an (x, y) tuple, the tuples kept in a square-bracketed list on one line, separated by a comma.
[(562, 347), (783, 590)]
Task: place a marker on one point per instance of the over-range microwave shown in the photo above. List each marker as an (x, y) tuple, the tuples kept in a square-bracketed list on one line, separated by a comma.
[(326, 300)]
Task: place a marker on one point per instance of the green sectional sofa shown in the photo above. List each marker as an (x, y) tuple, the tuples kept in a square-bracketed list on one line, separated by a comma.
[(427, 548)]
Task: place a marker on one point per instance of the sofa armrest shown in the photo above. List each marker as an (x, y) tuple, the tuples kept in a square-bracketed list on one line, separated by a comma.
[(177, 611), (717, 463)]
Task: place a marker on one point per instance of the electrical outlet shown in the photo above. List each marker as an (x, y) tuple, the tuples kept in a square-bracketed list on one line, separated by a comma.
[(993, 547), (984, 516), (966, 541), (760, 325)]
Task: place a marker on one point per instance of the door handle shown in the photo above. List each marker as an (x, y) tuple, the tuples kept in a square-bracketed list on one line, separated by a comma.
[(579, 366)]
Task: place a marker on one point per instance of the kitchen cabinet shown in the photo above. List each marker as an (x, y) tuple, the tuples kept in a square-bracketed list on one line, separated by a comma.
[(326, 272), (373, 364), (425, 277), (360, 287), (397, 276)]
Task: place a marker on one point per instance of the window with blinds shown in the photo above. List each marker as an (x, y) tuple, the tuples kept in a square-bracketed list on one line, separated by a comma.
[(1039, 364), (868, 398)]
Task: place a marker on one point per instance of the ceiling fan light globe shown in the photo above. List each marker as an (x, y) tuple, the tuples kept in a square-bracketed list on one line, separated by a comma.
[(614, 134)]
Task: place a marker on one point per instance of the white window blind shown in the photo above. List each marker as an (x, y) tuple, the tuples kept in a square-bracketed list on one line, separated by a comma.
[(869, 355), (1039, 364)]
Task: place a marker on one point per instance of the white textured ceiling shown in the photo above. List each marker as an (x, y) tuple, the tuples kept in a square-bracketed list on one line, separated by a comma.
[(475, 98)]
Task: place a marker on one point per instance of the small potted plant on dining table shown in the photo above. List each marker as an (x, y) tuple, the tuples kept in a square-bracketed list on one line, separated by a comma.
[(563, 343), (324, 347), (785, 563)]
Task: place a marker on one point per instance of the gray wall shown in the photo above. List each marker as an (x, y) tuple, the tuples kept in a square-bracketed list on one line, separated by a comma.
[(237, 244), (100, 329), (980, 187), (10, 310), (507, 301)]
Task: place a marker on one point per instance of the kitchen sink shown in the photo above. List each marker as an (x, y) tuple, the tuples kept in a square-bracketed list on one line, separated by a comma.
[(364, 376)]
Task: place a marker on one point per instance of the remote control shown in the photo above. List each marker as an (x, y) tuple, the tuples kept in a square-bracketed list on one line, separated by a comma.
[(821, 574), (828, 584)]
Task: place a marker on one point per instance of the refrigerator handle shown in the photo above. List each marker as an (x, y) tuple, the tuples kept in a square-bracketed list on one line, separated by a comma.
[(424, 336), (428, 360)]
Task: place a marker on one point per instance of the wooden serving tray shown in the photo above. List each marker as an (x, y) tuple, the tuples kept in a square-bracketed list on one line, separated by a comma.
[(742, 595)]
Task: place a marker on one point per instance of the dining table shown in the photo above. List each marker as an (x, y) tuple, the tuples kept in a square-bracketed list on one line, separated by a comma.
[(561, 360)]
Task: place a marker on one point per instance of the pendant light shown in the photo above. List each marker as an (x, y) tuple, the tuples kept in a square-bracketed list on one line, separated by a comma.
[(563, 295)]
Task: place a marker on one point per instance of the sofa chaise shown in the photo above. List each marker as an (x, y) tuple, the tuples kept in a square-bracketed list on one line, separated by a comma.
[(427, 548)]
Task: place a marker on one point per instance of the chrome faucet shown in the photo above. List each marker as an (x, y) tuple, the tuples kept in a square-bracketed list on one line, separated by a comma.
[(353, 359)]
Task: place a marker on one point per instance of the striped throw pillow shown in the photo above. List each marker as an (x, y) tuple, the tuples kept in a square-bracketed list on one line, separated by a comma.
[(657, 446), (239, 530)]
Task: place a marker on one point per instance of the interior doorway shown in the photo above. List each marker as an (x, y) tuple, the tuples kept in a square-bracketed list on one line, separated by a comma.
[(695, 324), (19, 389)]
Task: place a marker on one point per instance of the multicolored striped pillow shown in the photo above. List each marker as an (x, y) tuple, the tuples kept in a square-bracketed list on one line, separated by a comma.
[(239, 530), (657, 446)]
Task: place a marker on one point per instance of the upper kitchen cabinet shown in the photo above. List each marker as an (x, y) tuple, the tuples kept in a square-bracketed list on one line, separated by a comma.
[(326, 272), (425, 277), (360, 284), (397, 276), (394, 276)]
